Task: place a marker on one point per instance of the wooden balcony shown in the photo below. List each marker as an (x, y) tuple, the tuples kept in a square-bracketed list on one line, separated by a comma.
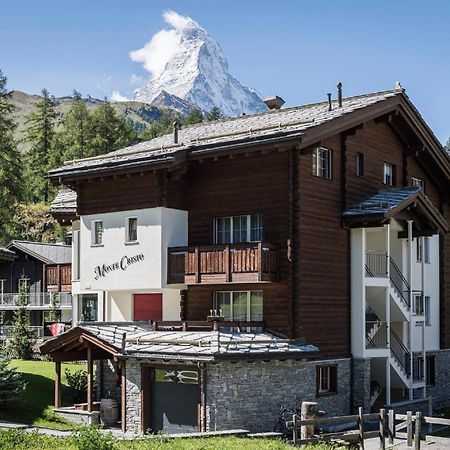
[(58, 278), (224, 263)]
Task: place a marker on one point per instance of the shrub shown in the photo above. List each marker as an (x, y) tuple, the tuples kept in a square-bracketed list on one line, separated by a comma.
[(77, 382), (12, 385), (90, 438)]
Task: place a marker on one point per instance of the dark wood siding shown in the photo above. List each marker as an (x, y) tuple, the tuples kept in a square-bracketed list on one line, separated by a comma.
[(321, 281), (256, 184), (445, 284)]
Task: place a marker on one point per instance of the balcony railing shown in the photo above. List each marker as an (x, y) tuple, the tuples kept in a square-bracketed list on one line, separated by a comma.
[(6, 330), (224, 263), (40, 299)]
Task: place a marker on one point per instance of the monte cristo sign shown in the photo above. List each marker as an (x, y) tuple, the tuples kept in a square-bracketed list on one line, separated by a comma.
[(122, 264)]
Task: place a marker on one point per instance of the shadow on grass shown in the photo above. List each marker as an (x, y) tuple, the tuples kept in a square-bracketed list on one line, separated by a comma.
[(37, 403)]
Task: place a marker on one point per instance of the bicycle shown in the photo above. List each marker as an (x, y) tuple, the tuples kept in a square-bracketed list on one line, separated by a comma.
[(285, 415)]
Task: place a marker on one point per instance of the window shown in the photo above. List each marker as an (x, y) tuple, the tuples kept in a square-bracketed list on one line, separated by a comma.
[(419, 249), (431, 370), (418, 305), (23, 283), (88, 308), (426, 249), (427, 310), (240, 305), (326, 380), (418, 182), (76, 254), (97, 232), (234, 229), (389, 174), (131, 231), (359, 164), (322, 162)]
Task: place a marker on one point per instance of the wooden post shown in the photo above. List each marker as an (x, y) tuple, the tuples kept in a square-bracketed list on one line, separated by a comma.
[(57, 384), (361, 427), (123, 389), (197, 264), (409, 428), (418, 430), (382, 428), (309, 411), (391, 426), (430, 414), (90, 383), (259, 260), (294, 429), (227, 263)]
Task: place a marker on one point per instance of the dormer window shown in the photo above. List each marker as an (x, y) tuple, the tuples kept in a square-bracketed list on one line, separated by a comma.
[(242, 228)]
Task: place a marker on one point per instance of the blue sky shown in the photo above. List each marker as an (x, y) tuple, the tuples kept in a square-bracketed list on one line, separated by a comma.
[(295, 49)]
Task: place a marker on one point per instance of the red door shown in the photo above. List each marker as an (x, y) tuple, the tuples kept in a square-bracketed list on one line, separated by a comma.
[(147, 307)]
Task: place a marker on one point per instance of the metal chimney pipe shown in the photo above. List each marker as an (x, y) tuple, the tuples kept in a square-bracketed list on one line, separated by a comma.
[(339, 91), (329, 102), (175, 132)]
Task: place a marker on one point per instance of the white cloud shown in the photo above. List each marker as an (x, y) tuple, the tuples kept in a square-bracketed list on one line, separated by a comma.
[(163, 45), (135, 79), (116, 96)]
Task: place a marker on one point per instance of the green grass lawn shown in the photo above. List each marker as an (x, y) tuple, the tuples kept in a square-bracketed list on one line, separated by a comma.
[(89, 439), (36, 406)]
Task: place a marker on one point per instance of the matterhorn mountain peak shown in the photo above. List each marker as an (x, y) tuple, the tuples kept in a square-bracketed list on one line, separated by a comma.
[(187, 63)]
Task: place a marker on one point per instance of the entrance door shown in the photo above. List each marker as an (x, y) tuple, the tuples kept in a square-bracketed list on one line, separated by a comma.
[(174, 400), (147, 307)]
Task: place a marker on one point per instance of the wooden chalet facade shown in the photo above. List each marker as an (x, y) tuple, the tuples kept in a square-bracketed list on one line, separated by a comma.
[(265, 197)]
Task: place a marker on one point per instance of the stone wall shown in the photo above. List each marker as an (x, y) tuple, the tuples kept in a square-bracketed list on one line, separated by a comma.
[(441, 389), (361, 384), (247, 394), (110, 388), (133, 396)]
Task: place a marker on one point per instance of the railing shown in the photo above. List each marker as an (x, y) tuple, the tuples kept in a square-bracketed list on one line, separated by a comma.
[(377, 266), (246, 262), (376, 334), (400, 283), (39, 299), (209, 325), (6, 330), (400, 352)]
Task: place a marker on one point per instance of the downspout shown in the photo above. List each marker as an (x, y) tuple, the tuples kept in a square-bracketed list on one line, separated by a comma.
[(203, 421), (410, 297)]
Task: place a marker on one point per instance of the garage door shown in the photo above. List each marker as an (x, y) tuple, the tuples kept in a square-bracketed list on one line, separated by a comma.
[(174, 400), (147, 307)]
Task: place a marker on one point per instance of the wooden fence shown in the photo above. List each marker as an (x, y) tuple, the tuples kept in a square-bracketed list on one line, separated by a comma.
[(387, 428)]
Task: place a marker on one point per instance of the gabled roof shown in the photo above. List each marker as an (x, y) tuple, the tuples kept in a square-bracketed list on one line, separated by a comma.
[(6, 254), (47, 253), (65, 203), (386, 203), (138, 340), (264, 127)]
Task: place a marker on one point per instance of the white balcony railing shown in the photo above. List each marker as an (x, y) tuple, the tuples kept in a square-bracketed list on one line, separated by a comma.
[(41, 299), (6, 330)]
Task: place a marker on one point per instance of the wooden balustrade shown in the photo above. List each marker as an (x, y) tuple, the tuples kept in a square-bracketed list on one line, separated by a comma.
[(224, 263), (58, 278)]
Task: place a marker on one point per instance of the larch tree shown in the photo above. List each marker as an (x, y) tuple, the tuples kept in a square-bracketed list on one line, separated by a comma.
[(10, 172), (40, 134), (214, 114), (194, 116)]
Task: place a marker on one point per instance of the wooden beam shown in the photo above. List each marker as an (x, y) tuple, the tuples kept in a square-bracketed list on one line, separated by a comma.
[(123, 389), (90, 380), (57, 384)]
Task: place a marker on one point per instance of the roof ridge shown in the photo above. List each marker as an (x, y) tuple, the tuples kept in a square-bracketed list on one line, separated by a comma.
[(21, 241)]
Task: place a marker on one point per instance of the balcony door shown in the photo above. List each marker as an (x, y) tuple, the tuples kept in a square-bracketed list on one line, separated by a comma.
[(147, 307)]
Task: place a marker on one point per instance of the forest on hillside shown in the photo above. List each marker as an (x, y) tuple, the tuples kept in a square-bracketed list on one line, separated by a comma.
[(51, 138)]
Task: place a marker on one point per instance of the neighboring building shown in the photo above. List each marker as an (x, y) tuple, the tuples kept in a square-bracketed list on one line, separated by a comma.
[(45, 270), (324, 224)]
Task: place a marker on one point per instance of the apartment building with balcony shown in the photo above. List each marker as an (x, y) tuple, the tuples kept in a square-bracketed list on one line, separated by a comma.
[(297, 254), (45, 271)]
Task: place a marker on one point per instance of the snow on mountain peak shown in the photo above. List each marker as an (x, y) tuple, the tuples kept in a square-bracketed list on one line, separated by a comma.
[(184, 61)]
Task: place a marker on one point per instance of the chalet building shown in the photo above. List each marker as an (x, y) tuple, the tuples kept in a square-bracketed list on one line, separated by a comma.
[(297, 254), (45, 270)]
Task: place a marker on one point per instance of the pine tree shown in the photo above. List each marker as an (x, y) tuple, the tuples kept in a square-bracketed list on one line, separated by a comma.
[(54, 315), (214, 114), (10, 185), (12, 386), (74, 137), (194, 116), (108, 131), (163, 125), (22, 339), (40, 133)]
